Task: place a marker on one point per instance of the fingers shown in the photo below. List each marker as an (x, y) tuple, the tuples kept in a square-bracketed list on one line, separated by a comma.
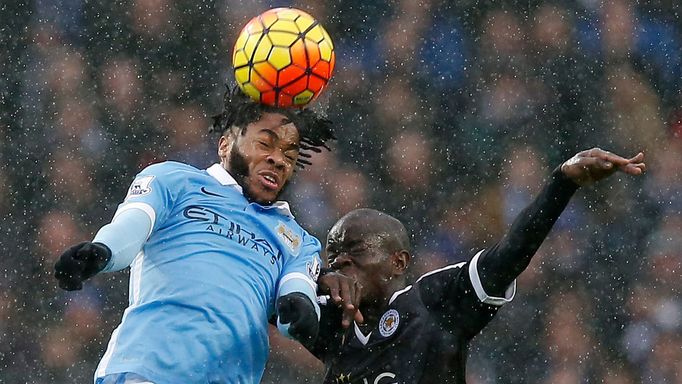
[(639, 157), (594, 163), (84, 252), (635, 165), (601, 167), (347, 303), (597, 163), (285, 309), (351, 307), (297, 311), (605, 165), (68, 270), (293, 306), (341, 289), (69, 281), (608, 156), (345, 293), (358, 315), (333, 286), (633, 169), (612, 157)]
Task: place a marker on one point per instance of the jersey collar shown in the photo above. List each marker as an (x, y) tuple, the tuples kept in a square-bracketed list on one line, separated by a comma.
[(362, 338), (224, 178)]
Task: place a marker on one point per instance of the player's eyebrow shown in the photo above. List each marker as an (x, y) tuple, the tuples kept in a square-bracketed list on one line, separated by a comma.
[(276, 137), (352, 243)]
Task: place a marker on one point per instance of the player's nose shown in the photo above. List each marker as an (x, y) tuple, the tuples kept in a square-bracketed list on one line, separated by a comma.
[(277, 159)]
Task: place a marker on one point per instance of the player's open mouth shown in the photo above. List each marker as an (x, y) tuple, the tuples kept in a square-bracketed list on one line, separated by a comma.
[(269, 180)]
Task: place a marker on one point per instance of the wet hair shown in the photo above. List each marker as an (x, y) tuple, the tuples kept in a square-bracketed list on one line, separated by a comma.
[(239, 111)]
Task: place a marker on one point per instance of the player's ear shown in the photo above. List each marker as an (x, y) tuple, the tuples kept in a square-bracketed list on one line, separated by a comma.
[(225, 143), (400, 261)]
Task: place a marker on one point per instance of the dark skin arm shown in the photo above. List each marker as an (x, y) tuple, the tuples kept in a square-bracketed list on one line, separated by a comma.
[(504, 262)]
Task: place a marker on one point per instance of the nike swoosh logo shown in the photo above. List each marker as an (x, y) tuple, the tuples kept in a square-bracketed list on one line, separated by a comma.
[(203, 189)]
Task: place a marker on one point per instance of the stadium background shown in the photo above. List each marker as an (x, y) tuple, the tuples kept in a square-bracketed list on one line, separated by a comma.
[(448, 117)]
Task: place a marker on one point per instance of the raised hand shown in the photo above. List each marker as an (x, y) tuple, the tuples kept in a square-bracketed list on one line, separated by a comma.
[(345, 293), (592, 165), (79, 263), (297, 313)]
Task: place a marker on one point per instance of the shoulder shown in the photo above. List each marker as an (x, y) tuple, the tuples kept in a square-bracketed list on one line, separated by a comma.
[(171, 173), (160, 179), (167, 176), (308, 239), (296, 238), (441, 280), (445, 271), (291, 224), (168, 167), (436, 276)]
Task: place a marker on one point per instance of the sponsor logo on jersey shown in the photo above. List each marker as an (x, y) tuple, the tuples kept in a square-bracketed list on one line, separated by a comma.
[(140, 186), (291, 239), (220, 225), (380, 377), (389, 323)]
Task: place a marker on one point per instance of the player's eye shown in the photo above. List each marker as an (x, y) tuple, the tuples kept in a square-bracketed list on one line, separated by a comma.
[(264, 143), (356, 251), (291, 156)]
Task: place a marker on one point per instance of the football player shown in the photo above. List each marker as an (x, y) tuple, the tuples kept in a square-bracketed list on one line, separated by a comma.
[(419, 333)]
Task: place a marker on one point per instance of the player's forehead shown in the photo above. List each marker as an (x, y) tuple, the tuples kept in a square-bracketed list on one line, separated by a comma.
[(350, 231), (274, 124)]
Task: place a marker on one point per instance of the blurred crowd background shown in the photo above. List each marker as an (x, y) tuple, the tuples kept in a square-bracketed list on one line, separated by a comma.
[(448, 117)]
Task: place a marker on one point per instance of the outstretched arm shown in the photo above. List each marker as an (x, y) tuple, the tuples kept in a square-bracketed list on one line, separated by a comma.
[(113, 248), (501, 264)]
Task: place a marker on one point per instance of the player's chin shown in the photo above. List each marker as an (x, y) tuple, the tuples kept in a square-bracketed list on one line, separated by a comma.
[(265, 196), (260, 193)]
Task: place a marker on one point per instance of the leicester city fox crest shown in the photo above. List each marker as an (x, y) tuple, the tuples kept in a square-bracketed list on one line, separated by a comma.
[(389, 323)]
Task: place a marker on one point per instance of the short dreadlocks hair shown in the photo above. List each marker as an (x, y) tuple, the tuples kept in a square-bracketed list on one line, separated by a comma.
[(239, 110)]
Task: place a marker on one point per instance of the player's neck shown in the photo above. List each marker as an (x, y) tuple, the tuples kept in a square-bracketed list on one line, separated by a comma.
[(371, 315), (373, 310)]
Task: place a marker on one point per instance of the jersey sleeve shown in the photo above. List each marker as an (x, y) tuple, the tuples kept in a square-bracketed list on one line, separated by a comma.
[(144, 208), (456, 296), (153, 191), (300, 272), (125, 236)]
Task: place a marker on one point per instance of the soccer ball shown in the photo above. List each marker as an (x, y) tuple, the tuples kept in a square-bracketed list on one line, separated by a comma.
[(283, 57)]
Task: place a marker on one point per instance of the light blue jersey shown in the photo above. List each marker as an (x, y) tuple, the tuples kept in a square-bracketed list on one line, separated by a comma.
[(205, 281)]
